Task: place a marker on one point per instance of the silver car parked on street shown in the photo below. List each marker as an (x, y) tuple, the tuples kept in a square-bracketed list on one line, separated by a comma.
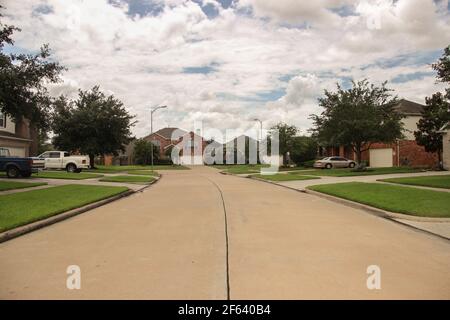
[(334, 162)]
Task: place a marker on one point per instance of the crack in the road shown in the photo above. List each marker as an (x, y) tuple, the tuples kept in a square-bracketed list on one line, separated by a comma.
[(226, 236)]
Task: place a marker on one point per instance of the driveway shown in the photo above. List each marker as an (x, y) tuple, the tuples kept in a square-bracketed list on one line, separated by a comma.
[(172, 241)]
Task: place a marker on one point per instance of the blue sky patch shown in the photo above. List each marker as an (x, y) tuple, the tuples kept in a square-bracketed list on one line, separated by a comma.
[(42, 9), (261, 97), (201, 70), (140, 7), (401, 78), (410, 59), (344, 11)]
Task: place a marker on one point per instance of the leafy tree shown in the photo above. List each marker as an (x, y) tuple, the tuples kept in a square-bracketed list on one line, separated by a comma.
[(286, 136), (143, 152), (23, 79), (435, 115), (43, 142), (436, 112), (94, 124), (442, 66), (303, 149), (358, 117)]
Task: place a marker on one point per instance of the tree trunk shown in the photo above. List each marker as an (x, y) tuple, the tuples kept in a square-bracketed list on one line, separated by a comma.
[(358, 155), (34, 137), (91, 161)]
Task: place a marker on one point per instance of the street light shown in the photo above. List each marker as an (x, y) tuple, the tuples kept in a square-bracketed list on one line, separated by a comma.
[(151, 126)]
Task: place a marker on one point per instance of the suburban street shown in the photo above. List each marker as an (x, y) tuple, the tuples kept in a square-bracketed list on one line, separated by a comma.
[(199, 234)]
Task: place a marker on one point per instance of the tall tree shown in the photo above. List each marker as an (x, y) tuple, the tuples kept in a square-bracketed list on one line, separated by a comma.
[(23, 80), (435, 115), (303, 149), (358, 117), (442, 66), (94, 124), (286, 137), (143, 152), (436, 112)]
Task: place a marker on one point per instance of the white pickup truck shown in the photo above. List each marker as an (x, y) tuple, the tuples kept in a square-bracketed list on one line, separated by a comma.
[(63, 160)]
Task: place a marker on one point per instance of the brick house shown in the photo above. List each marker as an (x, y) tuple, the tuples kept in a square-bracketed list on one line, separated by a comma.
[(167, 138), (17, 137), (403, 152)]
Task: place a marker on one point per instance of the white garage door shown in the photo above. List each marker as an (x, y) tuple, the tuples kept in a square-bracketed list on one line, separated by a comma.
[(381, 158)]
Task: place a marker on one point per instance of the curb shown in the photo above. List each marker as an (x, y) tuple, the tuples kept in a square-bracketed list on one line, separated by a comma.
[(376, 211), (19, 231), (277, 184)]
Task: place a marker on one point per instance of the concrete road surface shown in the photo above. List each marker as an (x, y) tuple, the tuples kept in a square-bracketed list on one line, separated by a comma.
[(172, 241)]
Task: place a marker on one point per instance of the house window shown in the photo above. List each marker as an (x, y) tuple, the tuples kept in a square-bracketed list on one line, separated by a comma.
[(2, 120)]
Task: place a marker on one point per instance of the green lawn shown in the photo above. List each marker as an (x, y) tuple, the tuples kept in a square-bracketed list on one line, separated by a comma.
[(65, 175), (252, 168), (10, 185), (346, 172), (117, 169), (429, 181), (129, 179), (143, 172), (283, 177), (293, 168), (24, 207), (240, 168), (407, 200)]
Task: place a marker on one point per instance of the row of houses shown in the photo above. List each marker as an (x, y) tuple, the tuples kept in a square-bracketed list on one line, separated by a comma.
[(403, 152), (20, 140)]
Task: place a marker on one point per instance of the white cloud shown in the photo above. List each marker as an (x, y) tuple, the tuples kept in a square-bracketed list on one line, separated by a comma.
[(141, 59)]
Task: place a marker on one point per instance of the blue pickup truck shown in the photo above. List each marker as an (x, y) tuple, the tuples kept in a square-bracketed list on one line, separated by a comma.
[(17, 166)]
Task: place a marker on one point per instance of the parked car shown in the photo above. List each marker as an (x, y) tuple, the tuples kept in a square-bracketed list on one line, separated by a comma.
[(334, 162), (63, 160), (18, 166)]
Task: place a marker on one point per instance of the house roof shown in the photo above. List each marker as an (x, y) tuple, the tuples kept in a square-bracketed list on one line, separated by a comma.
[(166, 133), (409, 107), (234, 141)]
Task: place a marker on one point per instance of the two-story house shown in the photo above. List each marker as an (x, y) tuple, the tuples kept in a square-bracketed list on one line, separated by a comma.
[(190, 144), (15, 137), (403, 152)]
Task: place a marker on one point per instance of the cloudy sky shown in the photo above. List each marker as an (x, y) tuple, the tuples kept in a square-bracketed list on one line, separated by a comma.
[(225, 62)]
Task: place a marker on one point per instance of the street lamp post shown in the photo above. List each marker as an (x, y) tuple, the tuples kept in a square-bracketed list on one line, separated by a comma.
[(151, 127)]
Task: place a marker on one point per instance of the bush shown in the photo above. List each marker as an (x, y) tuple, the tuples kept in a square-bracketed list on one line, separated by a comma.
[(164, 161), (308, 164)]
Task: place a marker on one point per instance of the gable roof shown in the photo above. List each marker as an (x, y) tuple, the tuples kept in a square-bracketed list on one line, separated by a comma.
[(242, 136), (409, 108), (166, 133)]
